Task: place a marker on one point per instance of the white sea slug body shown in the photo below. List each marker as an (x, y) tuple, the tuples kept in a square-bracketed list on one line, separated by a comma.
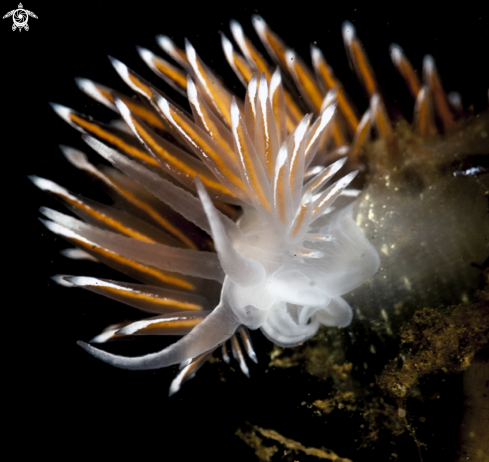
[(259, 176), (286, 261)]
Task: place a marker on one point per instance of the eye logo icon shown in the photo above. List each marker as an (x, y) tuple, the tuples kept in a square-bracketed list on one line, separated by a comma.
[(20, 17)]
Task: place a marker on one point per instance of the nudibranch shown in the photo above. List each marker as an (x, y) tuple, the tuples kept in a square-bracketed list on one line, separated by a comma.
[(261, 177)]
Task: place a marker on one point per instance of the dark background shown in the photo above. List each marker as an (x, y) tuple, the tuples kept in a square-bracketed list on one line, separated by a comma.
[(61, 396)]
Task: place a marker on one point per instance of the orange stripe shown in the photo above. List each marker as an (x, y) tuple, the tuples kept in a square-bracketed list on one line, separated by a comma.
[(294, 162), (143, 112), (314, 185), (266, 138), (338, 136), (180, 53), (440, 100), (298, 222), (109, 221), (171, 72), (410, 76), (310, 87), (242, 67), (106, 93), (135, 107), (250, 170), (343, 102), (227, 209), (280, 194), (168, 226), (139, 84), (112, 139), (363, 66), (171, 325), (268, 154), (151, 298), (294, 113), (177, 163), (137, 266), (278, 110), (150, 211), (424, 121), (278, 48), (220, 97), (382, 121), (361, 135), (213, 131), (293, 110), (257, 58), (202, 145), (157, 217), (194, 366)]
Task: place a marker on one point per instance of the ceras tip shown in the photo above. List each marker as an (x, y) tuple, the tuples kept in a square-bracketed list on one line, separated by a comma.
[(348, 31), (62, 281), (64, 112), (146, 55), (397, 54)]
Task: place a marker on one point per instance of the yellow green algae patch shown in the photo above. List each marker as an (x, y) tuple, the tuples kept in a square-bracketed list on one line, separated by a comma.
[(388, 394), (438, 340), (474, 438), (290, 447)]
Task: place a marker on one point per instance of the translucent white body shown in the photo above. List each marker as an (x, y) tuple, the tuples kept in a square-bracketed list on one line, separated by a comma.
[(296, 294)]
